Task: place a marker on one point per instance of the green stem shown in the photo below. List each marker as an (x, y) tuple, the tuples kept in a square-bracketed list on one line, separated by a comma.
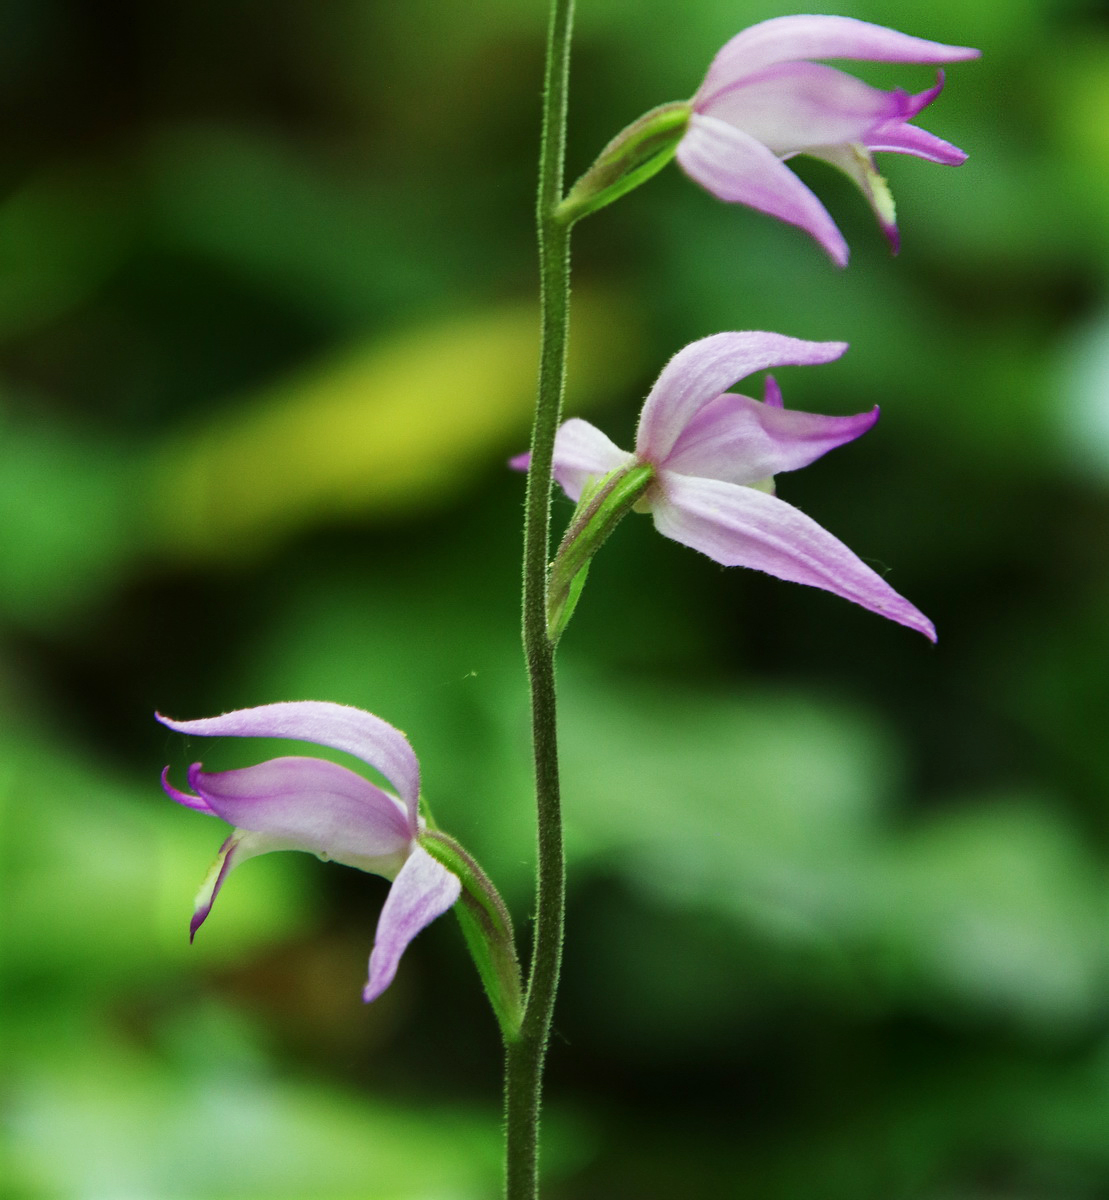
[(524, 1058)]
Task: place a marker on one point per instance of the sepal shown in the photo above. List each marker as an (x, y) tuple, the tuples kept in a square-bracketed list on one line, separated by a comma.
[(631, 158)]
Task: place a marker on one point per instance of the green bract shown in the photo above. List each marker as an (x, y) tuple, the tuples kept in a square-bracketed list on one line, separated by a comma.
[(631, 158), (600, 509)]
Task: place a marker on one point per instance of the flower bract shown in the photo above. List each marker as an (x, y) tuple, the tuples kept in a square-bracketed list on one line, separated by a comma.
[(715, 453), (304, 803), (765, 100)]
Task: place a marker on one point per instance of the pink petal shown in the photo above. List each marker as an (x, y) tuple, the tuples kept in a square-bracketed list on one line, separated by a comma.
[(902, 138), (582, 452), (699, 372), (186, 798), (739, 526), (914, 105), (339, 726), (739, 169), (736, 439), (423, 890), (314, 805), (898, 138), (787, 39), (792, 106)]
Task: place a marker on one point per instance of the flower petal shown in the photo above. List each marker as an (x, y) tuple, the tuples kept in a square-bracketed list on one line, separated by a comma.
[(339, 726), (582, 452), (856, 162), (314, 805), (699, 372), (189, 801), (240, 846), (423, 890), (792, 106), (739, 440), (739, 526), (739, 169), (786, 39), (899, 138)]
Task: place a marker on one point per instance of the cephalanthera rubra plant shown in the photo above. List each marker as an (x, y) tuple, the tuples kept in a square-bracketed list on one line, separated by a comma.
[(704, 467)]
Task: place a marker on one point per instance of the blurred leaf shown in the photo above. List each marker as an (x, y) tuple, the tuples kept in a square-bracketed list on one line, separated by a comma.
[(758, 804), (1083, 413), (68, 519), (320, 237), (1058, 688), (771, 808), (102, 1120), (395, 427), (1000, 907), (1078, 93), (61, 234)]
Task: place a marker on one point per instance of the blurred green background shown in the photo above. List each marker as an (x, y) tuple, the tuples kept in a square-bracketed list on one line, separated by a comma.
[(839, 899)]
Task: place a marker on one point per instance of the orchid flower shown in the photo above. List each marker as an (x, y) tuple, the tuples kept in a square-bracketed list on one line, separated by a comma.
[(764, 100), (713, 455), (311, 804)]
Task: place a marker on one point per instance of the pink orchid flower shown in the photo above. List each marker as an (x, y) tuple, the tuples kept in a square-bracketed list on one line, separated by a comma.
[(764, 100), (311, 804), (714, 454)]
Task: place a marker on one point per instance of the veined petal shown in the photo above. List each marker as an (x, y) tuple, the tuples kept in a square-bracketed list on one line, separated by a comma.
[(784, 39), (423, 890), (856, 162), (739, 526), (314, 805), (699, 372), (339, 726), (582, 452), (241, 845), (739, 169), (739, 440), (791, 106)]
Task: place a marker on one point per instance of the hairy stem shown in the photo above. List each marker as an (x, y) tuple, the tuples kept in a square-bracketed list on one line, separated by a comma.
[(524, 1058)]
